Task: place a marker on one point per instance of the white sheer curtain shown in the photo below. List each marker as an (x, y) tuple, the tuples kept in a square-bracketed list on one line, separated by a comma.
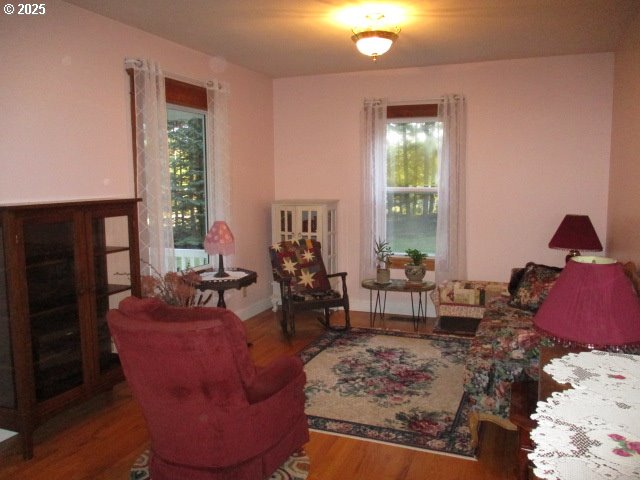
[(152, 166), (374, 151), (451, 252), (218, 158)]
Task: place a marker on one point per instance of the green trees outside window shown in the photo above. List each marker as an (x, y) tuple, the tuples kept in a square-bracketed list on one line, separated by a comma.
[(186, 133), (412, 183)]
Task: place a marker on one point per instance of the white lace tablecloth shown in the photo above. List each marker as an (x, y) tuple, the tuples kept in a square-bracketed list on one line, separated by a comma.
[(591, 431)]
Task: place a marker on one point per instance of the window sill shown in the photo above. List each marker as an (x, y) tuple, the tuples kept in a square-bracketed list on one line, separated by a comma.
[(398, 262)]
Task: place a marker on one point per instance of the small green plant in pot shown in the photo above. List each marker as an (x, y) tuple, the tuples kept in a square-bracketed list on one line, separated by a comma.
[(415, 271), (382, 251)]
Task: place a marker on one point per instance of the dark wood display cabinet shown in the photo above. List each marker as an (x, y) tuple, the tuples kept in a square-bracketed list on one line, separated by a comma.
[(62, 267)]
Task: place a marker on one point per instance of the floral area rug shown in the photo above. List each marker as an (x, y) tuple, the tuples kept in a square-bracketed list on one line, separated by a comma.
[(399, 388), (295, 468)]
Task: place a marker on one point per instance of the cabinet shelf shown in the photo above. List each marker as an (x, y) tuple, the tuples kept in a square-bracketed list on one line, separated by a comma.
[(49, 256), (49, 261), (112, 289), (108, 250), (56, 358), (65, 304), (54, 328), (58, 379)]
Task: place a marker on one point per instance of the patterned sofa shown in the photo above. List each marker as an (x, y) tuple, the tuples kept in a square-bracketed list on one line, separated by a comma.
[(505, 347)]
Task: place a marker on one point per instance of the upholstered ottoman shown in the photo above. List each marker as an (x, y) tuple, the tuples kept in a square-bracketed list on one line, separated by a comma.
[(460, 305)]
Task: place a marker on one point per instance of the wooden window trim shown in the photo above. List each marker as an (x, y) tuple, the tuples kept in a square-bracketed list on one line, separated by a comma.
[(185, 94), (412, 111), (176, 93), (399, 261)]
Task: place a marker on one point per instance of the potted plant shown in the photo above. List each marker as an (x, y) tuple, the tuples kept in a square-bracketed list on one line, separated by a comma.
[(382, 251), (415, 271)]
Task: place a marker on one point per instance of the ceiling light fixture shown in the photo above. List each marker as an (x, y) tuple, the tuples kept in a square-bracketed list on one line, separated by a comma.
[(375, 38)]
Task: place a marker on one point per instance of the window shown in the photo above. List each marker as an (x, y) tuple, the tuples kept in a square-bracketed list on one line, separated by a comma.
[(414, 135), (405, 149), (186, 131), (186, 139), (184, 187)]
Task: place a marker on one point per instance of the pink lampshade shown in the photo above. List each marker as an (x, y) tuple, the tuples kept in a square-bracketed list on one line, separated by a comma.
[(576, 232), (219, 239), (591, 304)]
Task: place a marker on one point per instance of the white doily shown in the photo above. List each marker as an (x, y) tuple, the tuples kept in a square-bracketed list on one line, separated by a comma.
[(614, 374), (231, 275), (592, 431)]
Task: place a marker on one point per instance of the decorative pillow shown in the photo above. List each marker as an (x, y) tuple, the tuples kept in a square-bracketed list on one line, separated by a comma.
[(633, 274), (460, 293), (463, 298), (534, 286), (301, 260), (514, 281), (465, 292)]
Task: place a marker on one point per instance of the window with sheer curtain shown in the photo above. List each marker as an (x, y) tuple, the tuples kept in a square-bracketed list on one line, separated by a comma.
[(182, 176), (413, 182)]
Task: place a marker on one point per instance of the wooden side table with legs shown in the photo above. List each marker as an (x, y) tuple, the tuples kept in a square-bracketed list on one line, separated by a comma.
[(524, 396), (418, 314), (238, 278)]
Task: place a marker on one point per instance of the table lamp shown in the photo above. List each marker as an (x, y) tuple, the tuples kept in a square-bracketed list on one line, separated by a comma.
[(219, 240), (576, 233), (592, 304)]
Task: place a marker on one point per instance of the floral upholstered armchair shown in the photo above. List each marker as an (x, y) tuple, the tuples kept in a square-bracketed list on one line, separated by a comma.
[(505, 347)]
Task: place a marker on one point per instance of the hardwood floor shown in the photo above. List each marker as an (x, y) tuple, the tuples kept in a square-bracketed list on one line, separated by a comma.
[(101, 439)]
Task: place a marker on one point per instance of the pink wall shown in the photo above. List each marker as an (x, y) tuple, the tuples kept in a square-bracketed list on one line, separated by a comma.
[(65, 123), (538, 148), (624, 193), (538, 142)]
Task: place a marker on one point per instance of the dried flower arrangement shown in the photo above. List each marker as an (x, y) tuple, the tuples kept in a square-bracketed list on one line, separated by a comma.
[(175, 288)]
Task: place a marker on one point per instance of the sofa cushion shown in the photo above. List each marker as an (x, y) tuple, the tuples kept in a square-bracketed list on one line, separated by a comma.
[(534, 286)]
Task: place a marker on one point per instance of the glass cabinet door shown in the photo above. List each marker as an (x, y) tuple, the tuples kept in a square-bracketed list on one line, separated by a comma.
[(286, 223), (308, 222), (329, 249), (54, 318), (7, 389), (112, 279)]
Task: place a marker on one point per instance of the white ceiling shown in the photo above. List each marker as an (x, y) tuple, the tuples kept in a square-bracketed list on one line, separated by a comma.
[(283, 38)]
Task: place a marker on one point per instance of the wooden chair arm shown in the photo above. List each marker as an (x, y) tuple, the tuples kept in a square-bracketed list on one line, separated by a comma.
[(343, 277), (285, 285), (280, 279), (337, 274)]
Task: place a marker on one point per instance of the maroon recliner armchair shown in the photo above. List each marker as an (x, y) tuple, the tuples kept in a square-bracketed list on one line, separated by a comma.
[(210, 412)]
